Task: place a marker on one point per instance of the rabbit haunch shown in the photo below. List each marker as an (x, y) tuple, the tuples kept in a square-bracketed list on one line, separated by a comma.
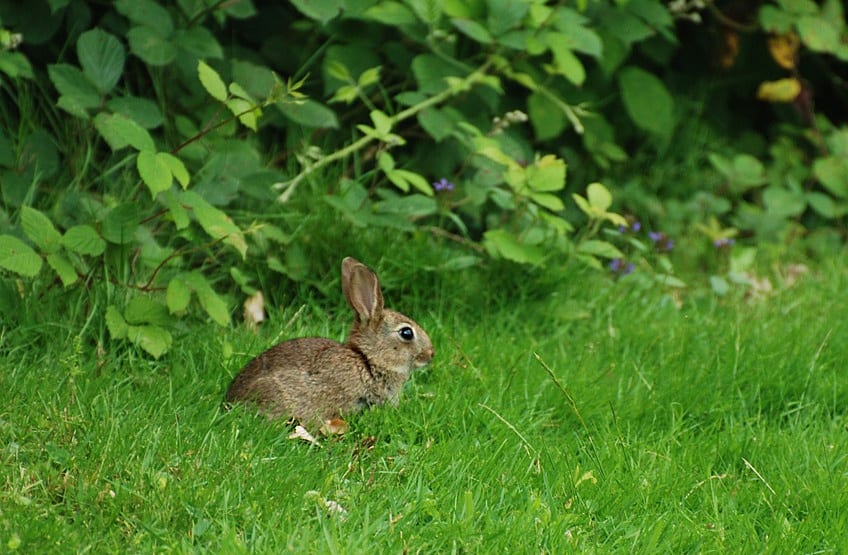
[(314, 378)]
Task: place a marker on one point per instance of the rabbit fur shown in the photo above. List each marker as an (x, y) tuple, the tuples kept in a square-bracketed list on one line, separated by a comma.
[(315, 379)]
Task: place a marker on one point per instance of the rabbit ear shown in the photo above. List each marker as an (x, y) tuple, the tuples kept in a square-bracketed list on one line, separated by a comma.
[(362, 290)]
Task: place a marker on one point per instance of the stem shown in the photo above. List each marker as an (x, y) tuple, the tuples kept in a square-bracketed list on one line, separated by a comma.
[(290, 186)]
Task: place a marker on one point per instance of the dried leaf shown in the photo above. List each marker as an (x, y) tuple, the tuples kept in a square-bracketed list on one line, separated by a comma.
[(254, 311), (301, 433), (782, 90), (336, 426), (784, 49)]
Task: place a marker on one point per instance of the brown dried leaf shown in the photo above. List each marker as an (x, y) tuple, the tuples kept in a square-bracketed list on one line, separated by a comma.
[(254, 311), (784, 49), (336, 426)]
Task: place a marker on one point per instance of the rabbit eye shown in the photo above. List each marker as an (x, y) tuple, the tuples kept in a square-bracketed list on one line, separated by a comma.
[(406, 333)]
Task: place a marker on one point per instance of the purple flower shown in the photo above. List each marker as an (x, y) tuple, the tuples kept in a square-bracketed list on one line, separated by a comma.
[(442, 185), (662, 241), (632, 226), (723, 243), (621, 267)]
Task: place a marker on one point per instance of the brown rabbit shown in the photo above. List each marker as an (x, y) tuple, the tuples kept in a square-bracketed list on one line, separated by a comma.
[(314, 379)]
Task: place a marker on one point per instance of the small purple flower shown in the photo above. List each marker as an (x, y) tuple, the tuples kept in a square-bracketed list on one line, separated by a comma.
[(621, 267), (632, 226), (724, 242), (662, 241), (442, 185)]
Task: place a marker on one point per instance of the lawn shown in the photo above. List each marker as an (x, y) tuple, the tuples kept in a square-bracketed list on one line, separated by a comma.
[(588, 415)]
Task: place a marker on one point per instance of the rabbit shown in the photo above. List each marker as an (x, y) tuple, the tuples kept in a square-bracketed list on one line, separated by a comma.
[(314, 379)]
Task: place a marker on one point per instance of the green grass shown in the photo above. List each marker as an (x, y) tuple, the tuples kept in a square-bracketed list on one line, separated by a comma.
[(719, 426)]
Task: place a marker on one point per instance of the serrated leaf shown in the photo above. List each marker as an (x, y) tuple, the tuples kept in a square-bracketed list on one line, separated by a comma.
[(115, 323), (18, 257), (178, 213), (154, 171), (177, 296), (82, 239), (155, 340), (63, 267), (214, 222), (119, 131), (508, 246), (151, 46), (647, 101), (145, 310), (211, 81), (211, 302), (246, 111), (599, 248), (102, 57), (141, 110), (78, 94), (146, 12), (40, 230), (178, 169), (121, 223)]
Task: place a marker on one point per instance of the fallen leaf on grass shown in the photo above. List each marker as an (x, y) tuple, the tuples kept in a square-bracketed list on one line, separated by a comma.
[(301, 433), (336, 426), (254, 310)]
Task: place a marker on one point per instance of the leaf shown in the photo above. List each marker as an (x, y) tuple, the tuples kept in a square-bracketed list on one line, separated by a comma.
[(598, 196), (178, 169), (177, 296), (120, 224), (506, 245), (783, 203), (155, 340), (719, 285), (149, 45), (254, 310), (213, 304), (549, 201), (565, 62), (319, 10), (63, 267), (40, 230), (393, 14), (82, 239), (599, 248), (154, 171), (416, 180), (102, 57), (819, 34), (78, 94), (115, 323), (211, 81), (436, 123), (784, 49), (782, 90), (310, 113), (178, 213), (119, 131), (18, 257), (246, 111), (547, 174), (199, 41), (410, 206), (647, 101), (214, 222), (832, 173), (472, 29), (146, 12), (143, 111), (546, 117), (382, 122), (145, 310)]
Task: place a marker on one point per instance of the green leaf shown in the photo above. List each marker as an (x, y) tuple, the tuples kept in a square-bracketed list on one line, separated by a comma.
[(472, 29), (547, 174), (18, 257), (154, 171), (309, 114), (82, 239), (63, 267), (199, 41), (783, 203), (155, 340), (102, 57), (149, 45), (546, 117), (177, 296), (575, 34), (178, 213), (436, 123), (178, 169), (246, 111), (143, 111), (647, 101), (820, 34), (211, 81), (599, 248), (393, 14), (115, 323), (214, 222), (719, 285), (119, 131), (504, 15), (410, 206), (549, 201), (382, 122), (319, 10), (211, 302), (120, 224), (599, 196), (78, 94), (15, 65), (508, 246), (145, 310), (565, 62), (146, 12), (832, 173), (40, 230), (416, 180)]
